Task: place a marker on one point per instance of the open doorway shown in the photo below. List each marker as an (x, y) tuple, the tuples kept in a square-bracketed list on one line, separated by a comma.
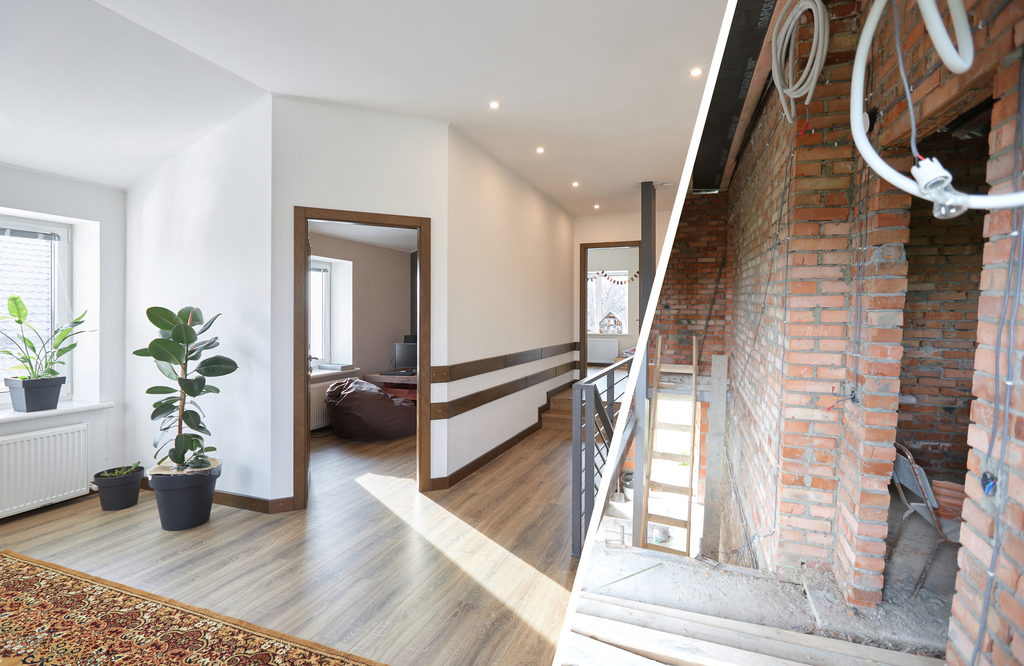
[(609, 302), (361, 285)]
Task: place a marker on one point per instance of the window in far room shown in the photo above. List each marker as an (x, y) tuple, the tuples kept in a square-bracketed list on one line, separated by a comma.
[(319, 312), (35, 263), (608, 302)]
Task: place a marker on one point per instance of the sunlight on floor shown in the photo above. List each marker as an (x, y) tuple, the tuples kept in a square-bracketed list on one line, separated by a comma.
[(497, 570)]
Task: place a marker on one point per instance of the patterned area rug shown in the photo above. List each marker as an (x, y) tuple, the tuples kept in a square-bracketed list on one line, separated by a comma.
[(55, 616)]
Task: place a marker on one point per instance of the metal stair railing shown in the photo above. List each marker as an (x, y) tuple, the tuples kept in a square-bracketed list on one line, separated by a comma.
[(594, 412)]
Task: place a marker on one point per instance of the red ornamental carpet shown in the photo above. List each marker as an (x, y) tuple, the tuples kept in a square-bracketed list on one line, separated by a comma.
[(52, 616)]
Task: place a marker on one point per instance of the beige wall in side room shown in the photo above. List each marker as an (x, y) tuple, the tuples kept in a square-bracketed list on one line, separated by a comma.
[(380, 297)]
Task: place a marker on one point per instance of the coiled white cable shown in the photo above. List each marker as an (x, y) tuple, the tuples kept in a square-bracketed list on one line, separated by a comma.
[(942, 193), (784, 53)]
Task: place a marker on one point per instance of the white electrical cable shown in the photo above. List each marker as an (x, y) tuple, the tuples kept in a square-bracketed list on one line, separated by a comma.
[(784, 53), (935, 182)]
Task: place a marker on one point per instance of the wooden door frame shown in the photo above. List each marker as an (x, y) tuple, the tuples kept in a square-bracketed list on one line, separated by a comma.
[(300, 370), (583, 293)]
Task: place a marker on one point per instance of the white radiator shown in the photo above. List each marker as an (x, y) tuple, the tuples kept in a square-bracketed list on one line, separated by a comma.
[(317, 406), (602, 350), (43, 467)]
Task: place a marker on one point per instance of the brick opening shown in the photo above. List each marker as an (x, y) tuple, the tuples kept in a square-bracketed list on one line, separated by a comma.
[(940, 316)]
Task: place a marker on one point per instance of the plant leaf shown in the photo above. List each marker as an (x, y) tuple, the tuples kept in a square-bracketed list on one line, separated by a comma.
[(160, 390), (210, 388), (198, 408), (162, 318), (167, 370), (208, 324), (162, 411), (198, 463), (192, 387), (167, 401), (144, 352), (191, 316), (184, 334), (167, 351), (192, 419), (17, 308), (65, 350), (176, 457), (216, 366), (209, 448)]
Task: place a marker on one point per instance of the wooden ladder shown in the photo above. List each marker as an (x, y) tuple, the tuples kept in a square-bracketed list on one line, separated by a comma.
[(688, 457)]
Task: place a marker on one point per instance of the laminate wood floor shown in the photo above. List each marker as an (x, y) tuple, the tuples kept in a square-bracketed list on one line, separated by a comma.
[(477, 574)]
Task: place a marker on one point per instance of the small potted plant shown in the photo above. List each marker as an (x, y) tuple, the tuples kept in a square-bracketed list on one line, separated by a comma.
[(119, 486), (184, 487), (37, 387)]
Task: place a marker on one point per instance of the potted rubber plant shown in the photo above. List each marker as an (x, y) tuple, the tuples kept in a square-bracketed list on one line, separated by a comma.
[(119, 486), (184, 486), (37, 386)]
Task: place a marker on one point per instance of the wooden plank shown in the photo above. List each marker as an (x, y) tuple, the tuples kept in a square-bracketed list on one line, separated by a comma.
[(674, 427), (668, 520), (669, 488), (579, 649), (844, 648), (668, 648), (674, 368), (768, 646), (680, 458), (694, 452), (714, 443)]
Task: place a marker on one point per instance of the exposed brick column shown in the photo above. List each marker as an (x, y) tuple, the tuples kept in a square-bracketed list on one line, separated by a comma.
[(869, 421), (1004, 639)]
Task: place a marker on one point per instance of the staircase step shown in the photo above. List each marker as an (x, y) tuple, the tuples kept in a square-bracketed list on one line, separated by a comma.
[(557, 419)]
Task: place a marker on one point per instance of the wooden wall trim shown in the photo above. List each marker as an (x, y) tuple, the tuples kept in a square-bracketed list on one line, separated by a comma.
[(451, 373), (234, 500), (452, 408), (446, 482)]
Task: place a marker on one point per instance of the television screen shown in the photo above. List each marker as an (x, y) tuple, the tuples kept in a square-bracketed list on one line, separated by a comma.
[(405, 355)]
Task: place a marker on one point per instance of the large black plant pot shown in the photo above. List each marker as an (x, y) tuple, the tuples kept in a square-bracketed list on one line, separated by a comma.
[(34, 395), (119, 492), (184, 500)]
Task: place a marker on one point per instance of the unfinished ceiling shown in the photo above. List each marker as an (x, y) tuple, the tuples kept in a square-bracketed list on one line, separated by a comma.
[(605, 87)]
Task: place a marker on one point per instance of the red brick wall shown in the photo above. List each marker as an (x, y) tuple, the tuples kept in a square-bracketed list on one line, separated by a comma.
[(941, 317), (700, 257)]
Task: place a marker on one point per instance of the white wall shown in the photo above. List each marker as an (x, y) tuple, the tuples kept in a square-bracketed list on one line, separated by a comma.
[(380, 298), (605, 228), (329, 156), (625, 259), (509, 290), (199, 234), (97, 216)]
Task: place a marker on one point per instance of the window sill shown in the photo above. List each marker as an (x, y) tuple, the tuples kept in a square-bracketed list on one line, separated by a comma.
[(607, 335), (8, 415)]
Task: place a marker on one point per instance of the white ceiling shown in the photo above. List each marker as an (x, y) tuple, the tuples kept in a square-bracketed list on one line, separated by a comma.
[(87, 93), (602, 85), (389, 237)]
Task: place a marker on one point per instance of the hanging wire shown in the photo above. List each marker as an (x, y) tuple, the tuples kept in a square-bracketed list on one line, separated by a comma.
[(906, 86)]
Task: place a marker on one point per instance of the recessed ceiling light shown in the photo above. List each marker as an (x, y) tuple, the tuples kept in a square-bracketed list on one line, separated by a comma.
[(667, 184), (540, 150), (494, 105), (597, 205), (575, 184), (695, 71)]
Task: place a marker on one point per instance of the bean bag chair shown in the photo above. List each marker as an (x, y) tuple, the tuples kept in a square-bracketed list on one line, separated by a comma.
[(360, 410)]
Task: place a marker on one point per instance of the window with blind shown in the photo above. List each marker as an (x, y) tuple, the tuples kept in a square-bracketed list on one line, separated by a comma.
[(35, 263)]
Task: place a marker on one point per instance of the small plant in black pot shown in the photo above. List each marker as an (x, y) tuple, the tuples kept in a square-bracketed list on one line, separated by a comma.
[(119, 486), (185, 485), (37, 386)]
